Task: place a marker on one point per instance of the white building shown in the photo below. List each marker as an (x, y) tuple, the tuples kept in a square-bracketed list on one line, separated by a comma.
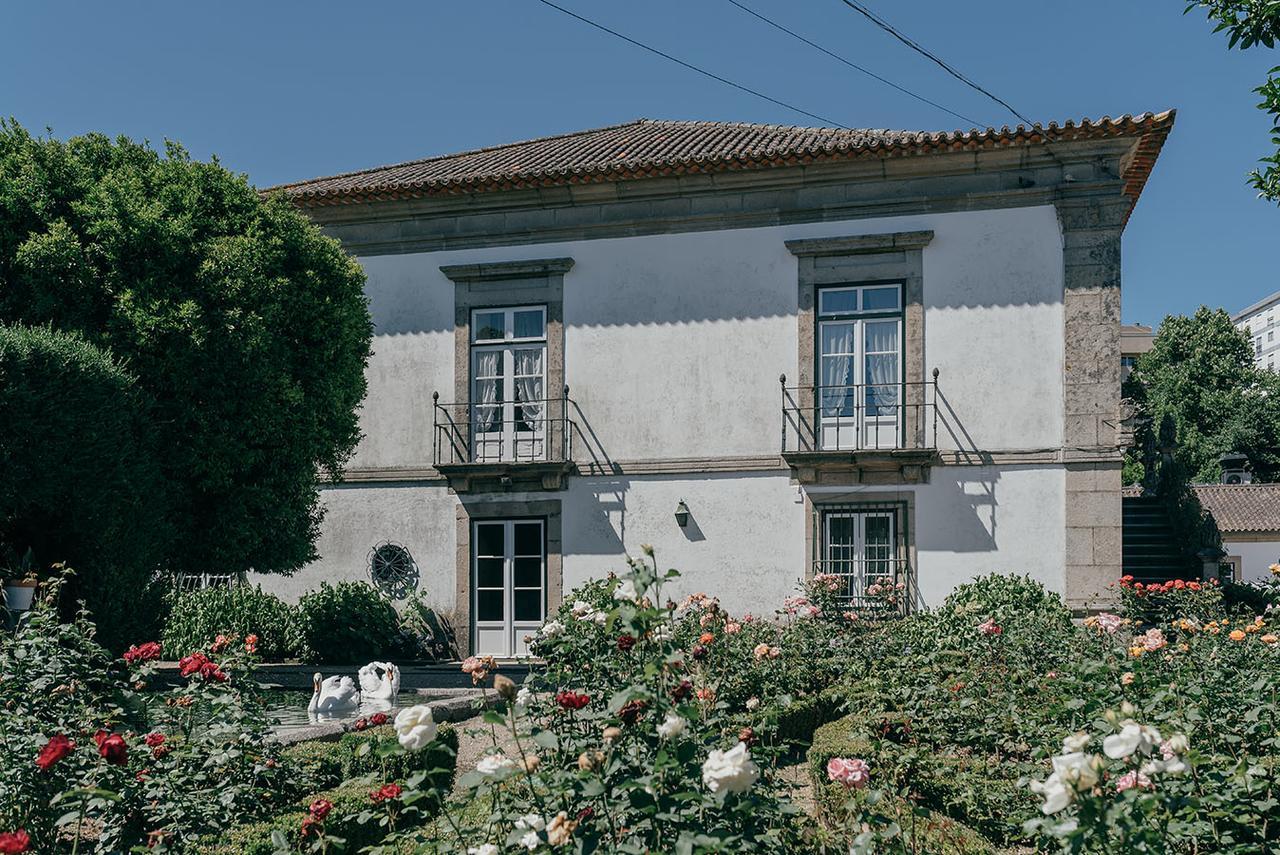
[(1261, 323), (880, 354), (1248, 515)]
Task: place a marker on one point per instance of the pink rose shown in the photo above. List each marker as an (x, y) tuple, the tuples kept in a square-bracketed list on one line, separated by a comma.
[(850, 771)]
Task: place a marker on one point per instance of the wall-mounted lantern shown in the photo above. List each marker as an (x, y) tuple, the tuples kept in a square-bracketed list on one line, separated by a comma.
[(682, 514)]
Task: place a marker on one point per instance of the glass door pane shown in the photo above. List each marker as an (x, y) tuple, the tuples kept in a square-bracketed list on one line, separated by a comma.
[(880, 374), (860, 547), (488, 394), (509, 583), (529, 406), (837, 397)]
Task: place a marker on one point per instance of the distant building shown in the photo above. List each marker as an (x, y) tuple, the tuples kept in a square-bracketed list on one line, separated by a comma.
[(1135, 340), (1260, 323), (1248, 515)]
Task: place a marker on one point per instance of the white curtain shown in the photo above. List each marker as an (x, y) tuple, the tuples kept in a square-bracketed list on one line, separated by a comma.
[(488, 381), (882, 367), (837, 366), (528, 369)]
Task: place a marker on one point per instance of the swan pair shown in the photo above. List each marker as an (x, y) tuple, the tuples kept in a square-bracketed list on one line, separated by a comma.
[(379, 681)]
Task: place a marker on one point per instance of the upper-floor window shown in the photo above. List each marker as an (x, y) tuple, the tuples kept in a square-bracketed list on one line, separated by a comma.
[(508, 382), (859, 365)]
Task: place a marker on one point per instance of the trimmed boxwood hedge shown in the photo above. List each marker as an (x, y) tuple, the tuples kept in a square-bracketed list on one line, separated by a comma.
[(344, 772), (851, 736)]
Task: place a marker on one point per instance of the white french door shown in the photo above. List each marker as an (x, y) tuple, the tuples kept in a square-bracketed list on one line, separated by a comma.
[(859, 367), (508, 583), (508, 384), (860, 547)]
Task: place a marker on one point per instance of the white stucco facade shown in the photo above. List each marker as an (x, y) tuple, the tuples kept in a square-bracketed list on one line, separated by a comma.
[(1255, 555), (672, 348), (683, 309)]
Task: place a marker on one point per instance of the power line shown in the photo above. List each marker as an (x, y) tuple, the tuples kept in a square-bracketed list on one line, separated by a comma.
[(888, 28), (853, 65), (693, 67)]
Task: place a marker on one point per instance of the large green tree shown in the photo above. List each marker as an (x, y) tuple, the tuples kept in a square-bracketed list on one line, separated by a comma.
[(246, 329), (1200, 371), (1248, 24)]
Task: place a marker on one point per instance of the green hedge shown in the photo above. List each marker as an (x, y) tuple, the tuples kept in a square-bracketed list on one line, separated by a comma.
[(345, 772), (934, 829), (197, 617), (963, 790)]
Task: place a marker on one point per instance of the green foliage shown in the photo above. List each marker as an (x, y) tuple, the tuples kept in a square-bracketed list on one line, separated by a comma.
[(1249, 23), (246, 330), (349, 622), (1200, 372), (77, 475), (345, 772), (197, 617), (215, 758)]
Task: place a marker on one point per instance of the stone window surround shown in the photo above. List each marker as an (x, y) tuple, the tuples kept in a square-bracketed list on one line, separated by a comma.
[(511, 283), (864, 260), (903, 502), (467, 513)]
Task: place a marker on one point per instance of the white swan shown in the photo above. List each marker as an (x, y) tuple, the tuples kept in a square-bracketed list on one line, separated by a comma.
[(333, 695), (380, 681)]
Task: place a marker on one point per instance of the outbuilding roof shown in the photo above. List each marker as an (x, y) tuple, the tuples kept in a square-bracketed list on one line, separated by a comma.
[(1242, 507), (649, 148)]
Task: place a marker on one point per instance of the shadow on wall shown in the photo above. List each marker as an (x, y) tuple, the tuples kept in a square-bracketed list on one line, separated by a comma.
[(970, 522)]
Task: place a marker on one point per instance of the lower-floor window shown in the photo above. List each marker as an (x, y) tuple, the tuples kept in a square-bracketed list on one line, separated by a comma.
[(861, 547), (508, 584)]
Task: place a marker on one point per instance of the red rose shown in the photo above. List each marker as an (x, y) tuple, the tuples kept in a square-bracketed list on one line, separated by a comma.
[(15, 842), (251, 643), (320, 809), (1195, 586), (142, 653), (160, 751), (154, 739), (54, 750), (626, 642), (191, 664), (112, 747), (586, 813), (699, 652), (308, 823), (682, 691), (631, 711), (211, 671), (572, 700), (378, 719), (386, 793), (360, 724)]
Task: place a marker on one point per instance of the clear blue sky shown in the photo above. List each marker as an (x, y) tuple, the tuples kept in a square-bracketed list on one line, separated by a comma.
[(290, 90)]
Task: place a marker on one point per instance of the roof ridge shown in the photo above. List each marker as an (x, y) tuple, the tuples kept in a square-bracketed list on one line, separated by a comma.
[(451, 155)]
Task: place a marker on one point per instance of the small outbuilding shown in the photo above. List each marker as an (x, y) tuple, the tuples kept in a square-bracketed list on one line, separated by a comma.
[(1248, 516)]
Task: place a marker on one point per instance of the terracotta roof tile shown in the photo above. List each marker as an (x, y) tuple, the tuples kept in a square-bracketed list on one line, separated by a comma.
[(649, 148), (1242, 507)]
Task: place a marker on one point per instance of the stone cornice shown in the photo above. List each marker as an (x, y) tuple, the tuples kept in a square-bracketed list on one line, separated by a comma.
[(507, 269), (857, 244)]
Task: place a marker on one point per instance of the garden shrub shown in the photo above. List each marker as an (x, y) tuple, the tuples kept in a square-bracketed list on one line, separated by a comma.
[(1160, 603), (350, 622), (197, 617), (78, 481), (347, 774)]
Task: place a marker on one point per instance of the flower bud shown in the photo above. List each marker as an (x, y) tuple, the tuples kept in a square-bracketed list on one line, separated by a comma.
[(505, 687), (612, 734), (590, 760)]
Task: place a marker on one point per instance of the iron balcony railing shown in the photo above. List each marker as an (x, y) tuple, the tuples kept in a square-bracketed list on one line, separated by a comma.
[(529, 431), (860, 417), (873, 584)]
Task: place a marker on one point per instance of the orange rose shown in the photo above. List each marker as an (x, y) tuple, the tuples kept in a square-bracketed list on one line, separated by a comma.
[(1236, 635)]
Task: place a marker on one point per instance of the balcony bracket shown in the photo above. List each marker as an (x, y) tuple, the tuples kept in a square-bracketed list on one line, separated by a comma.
[(531, 477), (888, 466)]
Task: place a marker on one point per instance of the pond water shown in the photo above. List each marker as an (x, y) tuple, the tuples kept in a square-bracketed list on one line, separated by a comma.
[(290, 709)]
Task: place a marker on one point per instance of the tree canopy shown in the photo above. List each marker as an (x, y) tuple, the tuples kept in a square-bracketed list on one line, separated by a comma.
[(245, 330), (1200, 371), (1249, 23)]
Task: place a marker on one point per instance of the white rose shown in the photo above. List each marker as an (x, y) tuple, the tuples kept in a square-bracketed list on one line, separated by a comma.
[(1132, 737), (523, 697), (551, 629), (415, 727), (493, 765), (483, 849), (1075, 742), (1077, 769), (753, 703), (531, 821), (731, 771), (626, 590), (600, 617), (530, 840), (580, 608), (1056, 794), (672, 725)]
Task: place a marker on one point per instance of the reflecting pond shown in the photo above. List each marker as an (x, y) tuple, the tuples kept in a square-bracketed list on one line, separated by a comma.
[(289, 708)]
